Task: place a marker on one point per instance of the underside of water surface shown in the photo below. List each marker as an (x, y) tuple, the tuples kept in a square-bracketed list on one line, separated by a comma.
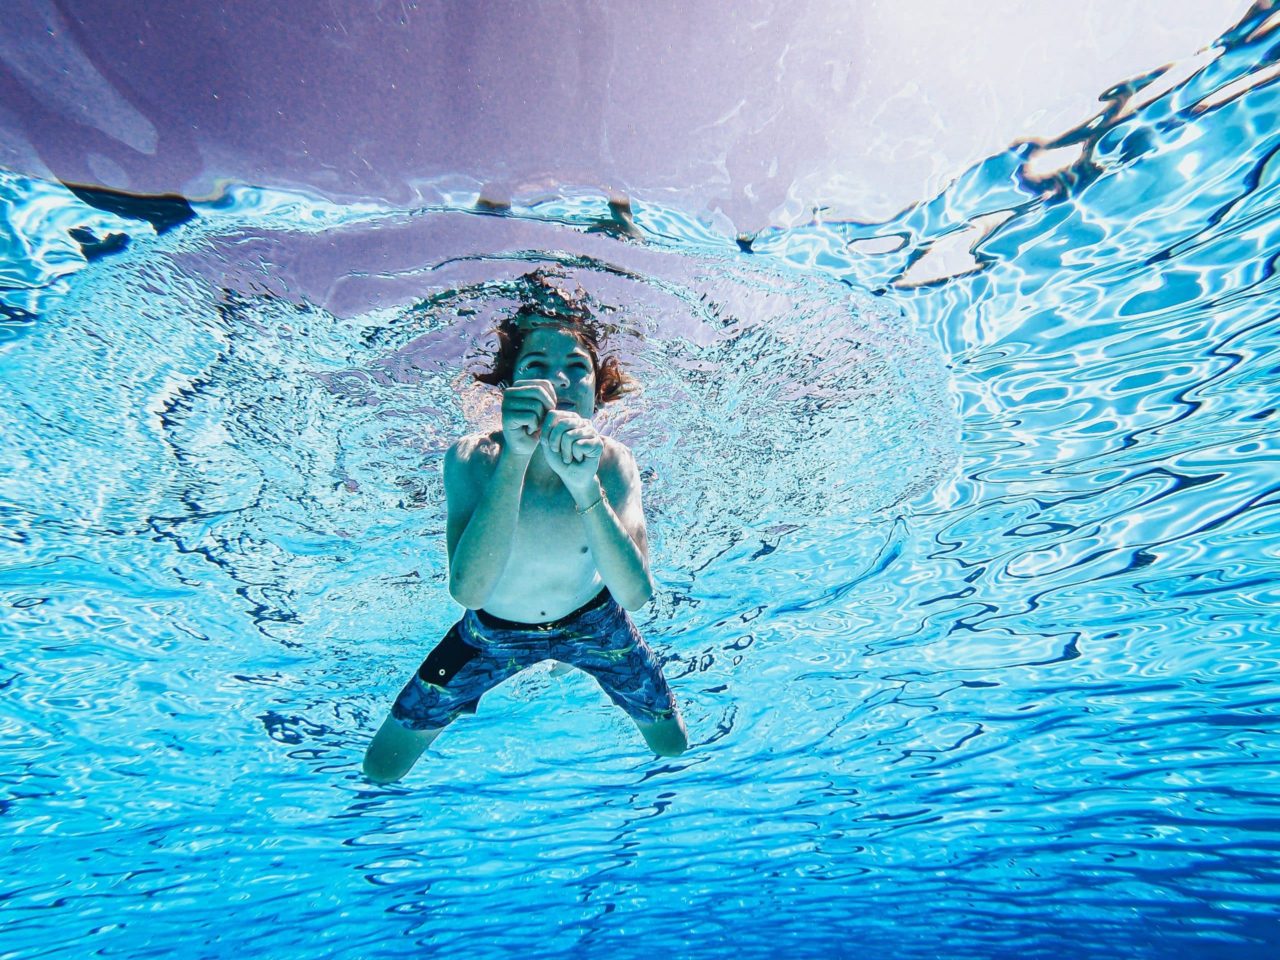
[(964, 527)]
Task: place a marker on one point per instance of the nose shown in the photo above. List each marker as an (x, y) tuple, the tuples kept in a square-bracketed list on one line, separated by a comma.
[(561, 378)]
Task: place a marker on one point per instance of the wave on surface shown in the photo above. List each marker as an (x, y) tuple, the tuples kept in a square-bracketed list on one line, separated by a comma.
[(965, 523)]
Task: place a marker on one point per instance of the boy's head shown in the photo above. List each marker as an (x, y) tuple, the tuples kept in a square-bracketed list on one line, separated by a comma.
[(554, 338)]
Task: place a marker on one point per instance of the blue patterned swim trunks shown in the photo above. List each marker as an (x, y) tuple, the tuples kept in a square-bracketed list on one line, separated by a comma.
[(480, 651)]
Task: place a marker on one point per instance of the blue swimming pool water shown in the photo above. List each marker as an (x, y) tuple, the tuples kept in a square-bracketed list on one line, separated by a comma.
[(967, 553)]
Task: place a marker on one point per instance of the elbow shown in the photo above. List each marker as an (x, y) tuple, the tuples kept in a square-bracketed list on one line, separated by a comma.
[(637, 598), (465, 593)]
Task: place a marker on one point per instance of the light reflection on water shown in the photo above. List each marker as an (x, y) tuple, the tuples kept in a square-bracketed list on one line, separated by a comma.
[(968, 583)]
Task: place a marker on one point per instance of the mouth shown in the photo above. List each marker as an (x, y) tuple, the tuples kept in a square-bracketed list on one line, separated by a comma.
[(565, 405)]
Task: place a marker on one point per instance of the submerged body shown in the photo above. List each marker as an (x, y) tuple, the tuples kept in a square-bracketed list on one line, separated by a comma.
[(505, 505), (547, 546)]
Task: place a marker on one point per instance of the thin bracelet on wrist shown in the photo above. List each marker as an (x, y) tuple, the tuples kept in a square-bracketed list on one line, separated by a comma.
[(599, 500)]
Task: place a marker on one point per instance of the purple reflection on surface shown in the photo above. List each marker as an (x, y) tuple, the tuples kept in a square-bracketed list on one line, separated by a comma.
[(753, 109)]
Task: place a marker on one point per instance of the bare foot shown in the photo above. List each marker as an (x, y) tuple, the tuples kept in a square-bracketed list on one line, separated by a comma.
[(620, 223)]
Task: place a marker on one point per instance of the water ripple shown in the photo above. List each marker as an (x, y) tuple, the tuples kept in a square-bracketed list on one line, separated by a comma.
[(965, 525)]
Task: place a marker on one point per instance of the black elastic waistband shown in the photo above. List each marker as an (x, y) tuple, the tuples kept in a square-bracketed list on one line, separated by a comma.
[(489, 620)]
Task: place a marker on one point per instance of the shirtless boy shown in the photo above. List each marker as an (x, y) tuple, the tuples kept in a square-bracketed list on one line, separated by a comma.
[(547, 546)]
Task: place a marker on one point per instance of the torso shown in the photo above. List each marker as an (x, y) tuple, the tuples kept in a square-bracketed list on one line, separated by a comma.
[(550, 572)]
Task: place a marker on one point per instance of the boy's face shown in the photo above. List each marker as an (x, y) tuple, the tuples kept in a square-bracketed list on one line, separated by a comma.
[(556, 356)]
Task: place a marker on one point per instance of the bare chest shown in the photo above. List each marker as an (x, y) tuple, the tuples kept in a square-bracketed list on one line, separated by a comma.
[(550, 570), (549, 530)]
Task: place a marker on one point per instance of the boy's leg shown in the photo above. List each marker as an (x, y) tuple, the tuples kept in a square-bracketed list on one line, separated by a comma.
[(449, 683), (395, 749), (666, 738), (607, 645)]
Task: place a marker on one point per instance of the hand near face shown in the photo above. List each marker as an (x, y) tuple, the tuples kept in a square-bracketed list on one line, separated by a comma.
[(572, 447), (525, 405)]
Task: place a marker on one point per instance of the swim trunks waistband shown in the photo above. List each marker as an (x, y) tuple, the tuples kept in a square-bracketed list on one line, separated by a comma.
[(489, 620)]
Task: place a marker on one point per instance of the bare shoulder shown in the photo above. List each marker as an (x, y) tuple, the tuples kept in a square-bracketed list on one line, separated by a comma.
[(483, 445), (471, 456), (618, 466), (617, 455)]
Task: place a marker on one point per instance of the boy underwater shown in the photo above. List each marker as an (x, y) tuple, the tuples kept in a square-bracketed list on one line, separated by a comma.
[(546, 543)]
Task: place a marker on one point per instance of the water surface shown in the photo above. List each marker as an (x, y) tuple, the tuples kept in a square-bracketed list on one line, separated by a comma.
[(964, 526)]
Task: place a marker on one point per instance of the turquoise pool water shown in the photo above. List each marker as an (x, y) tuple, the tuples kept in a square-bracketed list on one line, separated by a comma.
[(965, 527)]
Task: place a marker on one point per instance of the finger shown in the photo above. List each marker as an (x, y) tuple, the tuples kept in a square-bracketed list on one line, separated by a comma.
[(554, 428), (523, 407), (551, 440), (566, 446), (566, 426), (541, 392), (532, 397), (545, 392), (591, 448), (527, 386), (525, 419), (575, 431), (531, 382), (570, 440), (569, 443), (527, 422), (557, 425)]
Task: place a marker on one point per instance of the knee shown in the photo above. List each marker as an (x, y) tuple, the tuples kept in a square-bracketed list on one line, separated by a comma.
[(378, 772), (666, 738), (394, 750), (382, 766)]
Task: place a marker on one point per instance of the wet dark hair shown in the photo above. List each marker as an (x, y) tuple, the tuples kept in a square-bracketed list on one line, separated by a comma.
[(549, 307)]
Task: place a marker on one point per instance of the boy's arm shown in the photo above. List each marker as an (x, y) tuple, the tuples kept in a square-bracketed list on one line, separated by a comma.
[(481, 517), (614, 522)]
